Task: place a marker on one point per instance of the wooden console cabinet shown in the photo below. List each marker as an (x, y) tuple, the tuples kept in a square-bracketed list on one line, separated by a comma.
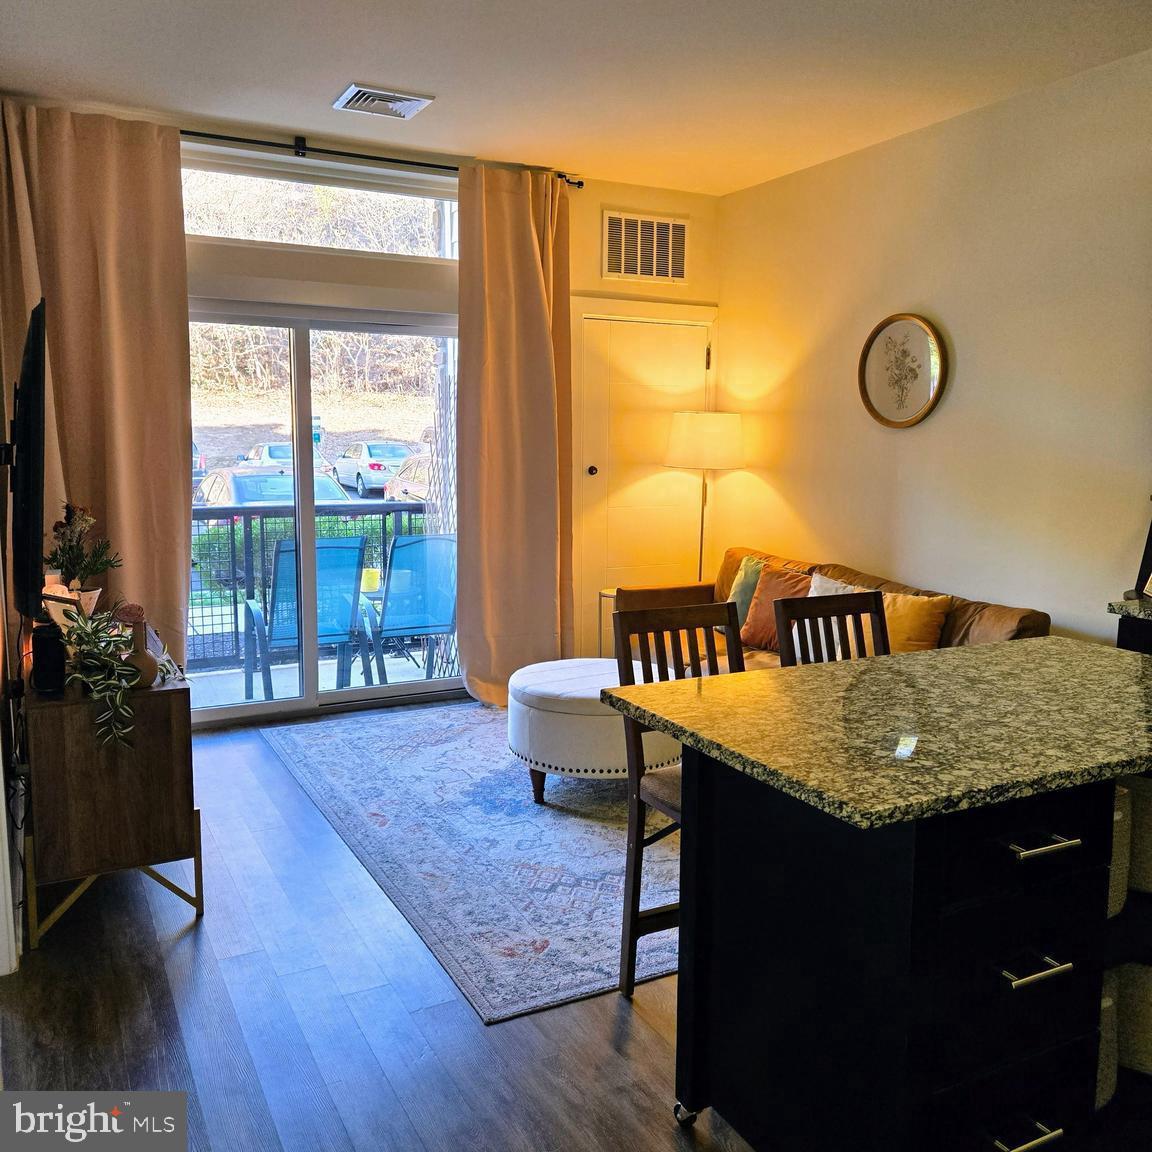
[(98, 808)]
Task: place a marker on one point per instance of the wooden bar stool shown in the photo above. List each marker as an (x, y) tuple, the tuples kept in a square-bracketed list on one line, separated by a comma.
[(670, 644)]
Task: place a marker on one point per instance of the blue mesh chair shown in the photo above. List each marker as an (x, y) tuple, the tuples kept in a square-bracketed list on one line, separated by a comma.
[(419, 597), (339, 611)]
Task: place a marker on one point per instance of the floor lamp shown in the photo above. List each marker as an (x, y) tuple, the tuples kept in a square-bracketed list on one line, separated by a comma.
[(705, 440)]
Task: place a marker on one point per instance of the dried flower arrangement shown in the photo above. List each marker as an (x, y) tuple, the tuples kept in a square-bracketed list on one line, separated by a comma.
[(77, 561)]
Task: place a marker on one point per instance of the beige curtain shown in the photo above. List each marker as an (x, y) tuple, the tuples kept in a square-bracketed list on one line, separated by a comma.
[(514, 434), (91, 219)]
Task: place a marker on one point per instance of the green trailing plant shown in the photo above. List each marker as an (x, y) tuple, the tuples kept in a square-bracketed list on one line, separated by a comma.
[(77, 560), (98, 645)]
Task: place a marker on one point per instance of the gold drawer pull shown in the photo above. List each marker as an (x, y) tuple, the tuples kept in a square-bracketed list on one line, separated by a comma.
[(1055, 968), (1058, 844), (1047, 1136)]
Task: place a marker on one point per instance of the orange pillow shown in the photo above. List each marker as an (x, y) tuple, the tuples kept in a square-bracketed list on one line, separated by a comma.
[(759, 629)]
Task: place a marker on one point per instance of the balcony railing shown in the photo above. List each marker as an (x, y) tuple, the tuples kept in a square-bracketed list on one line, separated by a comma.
[(232, 552)]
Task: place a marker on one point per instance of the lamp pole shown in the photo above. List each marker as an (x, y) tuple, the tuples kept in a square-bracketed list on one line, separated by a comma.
[(703, 503)]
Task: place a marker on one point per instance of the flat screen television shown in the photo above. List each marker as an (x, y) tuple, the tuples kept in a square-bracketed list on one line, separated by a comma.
[(28, 471)]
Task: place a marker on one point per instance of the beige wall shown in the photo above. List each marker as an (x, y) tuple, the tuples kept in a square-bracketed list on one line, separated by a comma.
[(586, 210), (1025, 231)]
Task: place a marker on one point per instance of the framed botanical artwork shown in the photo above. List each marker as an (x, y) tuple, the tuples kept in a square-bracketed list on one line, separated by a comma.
[(903, 369)]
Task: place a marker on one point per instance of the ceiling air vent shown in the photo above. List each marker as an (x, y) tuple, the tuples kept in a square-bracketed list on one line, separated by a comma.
[(644, 247), (378, 102)]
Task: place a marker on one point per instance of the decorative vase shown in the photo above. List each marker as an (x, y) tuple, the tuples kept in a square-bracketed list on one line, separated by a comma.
[(140, 658)]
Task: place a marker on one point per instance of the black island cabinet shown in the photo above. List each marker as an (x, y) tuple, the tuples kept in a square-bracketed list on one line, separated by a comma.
[(894, 891)]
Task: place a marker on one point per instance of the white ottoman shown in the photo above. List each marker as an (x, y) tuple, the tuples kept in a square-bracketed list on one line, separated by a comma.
[(556, 723)]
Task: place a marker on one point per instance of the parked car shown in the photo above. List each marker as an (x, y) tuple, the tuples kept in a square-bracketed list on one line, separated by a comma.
[(411, 481), (368, 465), (255, 486), (277, 454), (199, 464)]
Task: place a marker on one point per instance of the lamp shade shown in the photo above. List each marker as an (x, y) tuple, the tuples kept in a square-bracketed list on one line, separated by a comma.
[(705, 440)]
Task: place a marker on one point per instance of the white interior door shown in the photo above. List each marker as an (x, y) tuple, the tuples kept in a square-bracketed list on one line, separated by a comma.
[(638, 520)]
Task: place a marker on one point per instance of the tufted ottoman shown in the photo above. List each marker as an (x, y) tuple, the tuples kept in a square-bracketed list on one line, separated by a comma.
[(556, 723)]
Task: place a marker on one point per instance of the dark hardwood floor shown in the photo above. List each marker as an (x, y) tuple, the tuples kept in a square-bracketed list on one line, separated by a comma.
[(303, 1012)]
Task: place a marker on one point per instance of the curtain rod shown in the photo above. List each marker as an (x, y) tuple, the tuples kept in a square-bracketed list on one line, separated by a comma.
[(301, 147)]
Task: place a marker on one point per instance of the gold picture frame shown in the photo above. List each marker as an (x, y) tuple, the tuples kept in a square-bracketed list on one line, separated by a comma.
[(903, 369)]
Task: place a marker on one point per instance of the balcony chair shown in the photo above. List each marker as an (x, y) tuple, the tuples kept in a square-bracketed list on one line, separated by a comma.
[(663, 657), (815, 629), (418, 598), (339, 611)]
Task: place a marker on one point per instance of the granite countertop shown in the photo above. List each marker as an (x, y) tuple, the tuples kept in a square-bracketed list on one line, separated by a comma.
[(1141, 608), (895, 738)]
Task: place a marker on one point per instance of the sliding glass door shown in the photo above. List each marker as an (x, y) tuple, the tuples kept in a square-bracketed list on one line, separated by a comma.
[(323, 530), (382, 415)]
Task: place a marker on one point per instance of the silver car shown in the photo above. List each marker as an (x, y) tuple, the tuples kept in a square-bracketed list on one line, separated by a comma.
[(278, 454), (368, 465)]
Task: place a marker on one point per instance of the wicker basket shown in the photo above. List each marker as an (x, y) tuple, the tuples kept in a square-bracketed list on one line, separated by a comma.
[(1121, 851), (1109, 1041), (1134, 1017), (1140, 873)]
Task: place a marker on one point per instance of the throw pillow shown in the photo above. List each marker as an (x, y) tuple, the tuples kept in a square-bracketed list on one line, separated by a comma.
[(826, 586), (914, 622), (744, 585), (774, 584)]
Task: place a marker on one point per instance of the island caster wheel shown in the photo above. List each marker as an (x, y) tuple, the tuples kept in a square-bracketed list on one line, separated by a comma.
[(683, 1117)]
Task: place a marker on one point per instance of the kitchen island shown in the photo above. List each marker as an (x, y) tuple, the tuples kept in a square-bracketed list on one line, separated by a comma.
[(894, 881)]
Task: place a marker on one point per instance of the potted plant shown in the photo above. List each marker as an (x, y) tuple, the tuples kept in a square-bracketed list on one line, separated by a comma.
[(77, 560), (102, 659)]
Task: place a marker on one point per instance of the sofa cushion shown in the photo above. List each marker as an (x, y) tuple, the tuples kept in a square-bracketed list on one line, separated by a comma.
[(745, 584), (754, 658), (757, 658), (915, 622), (969, 621), (759, 630), (731, 562)]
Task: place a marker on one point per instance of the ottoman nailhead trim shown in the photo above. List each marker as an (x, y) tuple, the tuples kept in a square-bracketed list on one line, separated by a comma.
[(586, 771)]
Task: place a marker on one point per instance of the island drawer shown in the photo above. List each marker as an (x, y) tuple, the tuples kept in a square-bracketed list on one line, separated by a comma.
[(1015, 975), (1037, 1000), (1064, 912), (1044, 1102), (989, 852)]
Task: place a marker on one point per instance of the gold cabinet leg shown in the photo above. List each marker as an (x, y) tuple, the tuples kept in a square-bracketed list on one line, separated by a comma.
[(196, 897), (198, 866)]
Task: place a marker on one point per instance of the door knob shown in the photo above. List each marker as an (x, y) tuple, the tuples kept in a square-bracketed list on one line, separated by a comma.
[(592, 469)]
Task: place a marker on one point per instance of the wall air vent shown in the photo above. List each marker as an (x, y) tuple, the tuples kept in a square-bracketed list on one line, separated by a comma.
[(644, 247), (378, 102)]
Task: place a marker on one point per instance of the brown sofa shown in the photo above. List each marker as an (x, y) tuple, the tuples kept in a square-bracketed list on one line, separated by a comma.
[(968, 622)]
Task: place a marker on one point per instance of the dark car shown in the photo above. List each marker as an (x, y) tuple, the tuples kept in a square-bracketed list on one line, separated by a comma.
[(254, 486), (411, 482)]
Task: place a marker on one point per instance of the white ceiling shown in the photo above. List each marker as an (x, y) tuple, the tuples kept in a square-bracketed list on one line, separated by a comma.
[(686, 94)]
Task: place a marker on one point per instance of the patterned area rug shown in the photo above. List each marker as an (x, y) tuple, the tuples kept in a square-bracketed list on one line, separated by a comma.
[(519, 902)]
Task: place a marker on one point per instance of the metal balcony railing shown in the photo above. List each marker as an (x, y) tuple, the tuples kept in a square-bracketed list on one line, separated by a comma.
[(232, 551)]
